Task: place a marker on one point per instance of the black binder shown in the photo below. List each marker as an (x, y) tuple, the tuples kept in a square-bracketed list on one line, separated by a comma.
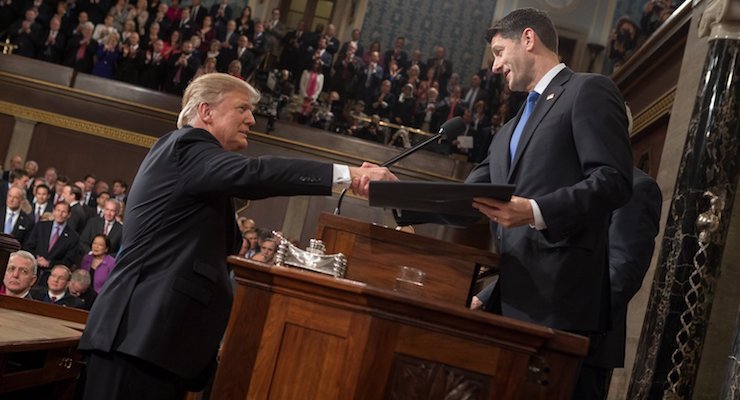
[(450, 198)]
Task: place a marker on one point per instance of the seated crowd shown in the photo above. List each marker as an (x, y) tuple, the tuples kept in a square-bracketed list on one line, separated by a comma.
[(339, 87), (70, 234)]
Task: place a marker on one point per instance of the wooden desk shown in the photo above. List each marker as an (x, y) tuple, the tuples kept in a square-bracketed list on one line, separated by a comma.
[(296, 334), (38, 349)]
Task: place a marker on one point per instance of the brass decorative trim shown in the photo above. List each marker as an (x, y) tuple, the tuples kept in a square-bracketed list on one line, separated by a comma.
[(90, 128), (654, 111), (87, 94)]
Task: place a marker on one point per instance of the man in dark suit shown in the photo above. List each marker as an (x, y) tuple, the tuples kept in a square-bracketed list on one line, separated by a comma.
[(53, 242), (81, 49), (55, 291), (41, 202), (171, 272), (77, 214), (15, 222), (53, 42), (632, 233), (571, 162), (197, 12), (106, 225), (80, 286)]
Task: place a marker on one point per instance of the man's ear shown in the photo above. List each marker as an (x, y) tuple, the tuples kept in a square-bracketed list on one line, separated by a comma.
[(528, 38), (204, 112)]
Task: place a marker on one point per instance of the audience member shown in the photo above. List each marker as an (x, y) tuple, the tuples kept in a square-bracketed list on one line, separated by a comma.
[(98, 261), (105, 225), (55, 291), (268, 248), (20, 275), (41, 202), (53, 242), (15, 221), (80, 286)]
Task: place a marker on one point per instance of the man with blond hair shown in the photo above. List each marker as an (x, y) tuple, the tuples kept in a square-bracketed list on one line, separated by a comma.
[(156, 326)]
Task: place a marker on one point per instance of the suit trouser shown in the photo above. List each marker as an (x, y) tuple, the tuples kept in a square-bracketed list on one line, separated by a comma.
[(116, 376)]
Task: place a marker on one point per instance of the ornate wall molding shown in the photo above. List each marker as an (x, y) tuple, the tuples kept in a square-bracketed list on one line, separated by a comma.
[(90, 128), (654, 112)]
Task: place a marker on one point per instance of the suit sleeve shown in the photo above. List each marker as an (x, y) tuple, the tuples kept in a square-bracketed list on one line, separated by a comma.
[(632, 239), (207, 168), (599, 128)]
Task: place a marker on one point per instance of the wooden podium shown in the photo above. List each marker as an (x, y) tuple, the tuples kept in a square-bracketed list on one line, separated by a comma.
[(296, 334)]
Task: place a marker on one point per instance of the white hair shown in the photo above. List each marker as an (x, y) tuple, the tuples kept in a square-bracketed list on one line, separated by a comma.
[(211, 89)]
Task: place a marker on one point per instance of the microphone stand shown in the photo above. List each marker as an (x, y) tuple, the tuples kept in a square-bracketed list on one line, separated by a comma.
[(390, 162)]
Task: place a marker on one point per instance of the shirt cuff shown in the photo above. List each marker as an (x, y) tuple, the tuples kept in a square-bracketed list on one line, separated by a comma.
[(341, 175), (539, 221)]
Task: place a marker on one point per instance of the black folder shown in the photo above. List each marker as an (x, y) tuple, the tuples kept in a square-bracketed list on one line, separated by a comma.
[(437, 197)]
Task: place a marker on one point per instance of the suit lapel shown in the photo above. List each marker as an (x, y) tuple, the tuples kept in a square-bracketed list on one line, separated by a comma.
[(547, 99)]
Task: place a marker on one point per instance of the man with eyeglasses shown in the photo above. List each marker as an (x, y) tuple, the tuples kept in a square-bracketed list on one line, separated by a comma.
[(56, 291), (20, 274)]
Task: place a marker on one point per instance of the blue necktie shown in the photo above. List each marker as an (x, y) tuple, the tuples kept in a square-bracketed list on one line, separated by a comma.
[(9, 223), (531, 101)]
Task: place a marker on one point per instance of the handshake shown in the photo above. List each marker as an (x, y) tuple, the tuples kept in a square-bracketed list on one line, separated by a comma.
[(363, 175)]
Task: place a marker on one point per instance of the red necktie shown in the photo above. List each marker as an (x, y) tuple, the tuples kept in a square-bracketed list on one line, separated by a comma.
[(53, 299)]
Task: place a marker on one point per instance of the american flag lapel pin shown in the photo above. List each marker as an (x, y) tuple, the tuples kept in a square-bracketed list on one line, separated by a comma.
[(550, 96)]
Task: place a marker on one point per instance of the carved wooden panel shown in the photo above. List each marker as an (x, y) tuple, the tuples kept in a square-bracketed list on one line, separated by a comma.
[(413, 378)]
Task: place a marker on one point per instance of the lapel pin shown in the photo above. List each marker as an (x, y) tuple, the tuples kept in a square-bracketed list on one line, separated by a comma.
[(550, 96)]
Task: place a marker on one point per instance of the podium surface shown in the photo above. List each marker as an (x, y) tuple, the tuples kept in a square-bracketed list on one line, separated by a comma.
[(38, 349), (298, 334)]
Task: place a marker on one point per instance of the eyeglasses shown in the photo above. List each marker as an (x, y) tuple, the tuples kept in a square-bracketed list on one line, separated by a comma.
[(21, 270)]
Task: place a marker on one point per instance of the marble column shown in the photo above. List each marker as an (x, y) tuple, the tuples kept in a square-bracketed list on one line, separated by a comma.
[(731, 387), (680, 302)]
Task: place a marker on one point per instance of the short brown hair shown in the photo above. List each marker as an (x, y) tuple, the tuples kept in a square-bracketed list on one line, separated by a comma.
[(513, 24)]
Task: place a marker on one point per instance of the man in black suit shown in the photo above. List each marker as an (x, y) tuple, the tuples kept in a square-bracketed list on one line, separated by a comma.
[(15, 221), (55, 291), (41, 202), (197, 12), (171, 272), (186, 26), (81, 49), (78, 215), (89, 197), (106, 225), (632, 233), (571, 162), (53, 242), (80, 286), (53, 42)]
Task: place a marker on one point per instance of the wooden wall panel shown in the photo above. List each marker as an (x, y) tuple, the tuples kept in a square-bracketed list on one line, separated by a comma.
[(75, 154), (7, 124)]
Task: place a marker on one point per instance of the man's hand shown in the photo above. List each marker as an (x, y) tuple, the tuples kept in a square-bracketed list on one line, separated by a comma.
[(509, 214), (475, 303), (361, 177), (42, 262)]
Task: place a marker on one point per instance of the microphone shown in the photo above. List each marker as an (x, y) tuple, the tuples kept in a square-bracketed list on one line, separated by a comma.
[(451, 128)]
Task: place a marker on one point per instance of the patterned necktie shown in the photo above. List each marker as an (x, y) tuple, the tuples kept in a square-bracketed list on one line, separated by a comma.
[(38, 213), (531, 101), (9, 223)]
